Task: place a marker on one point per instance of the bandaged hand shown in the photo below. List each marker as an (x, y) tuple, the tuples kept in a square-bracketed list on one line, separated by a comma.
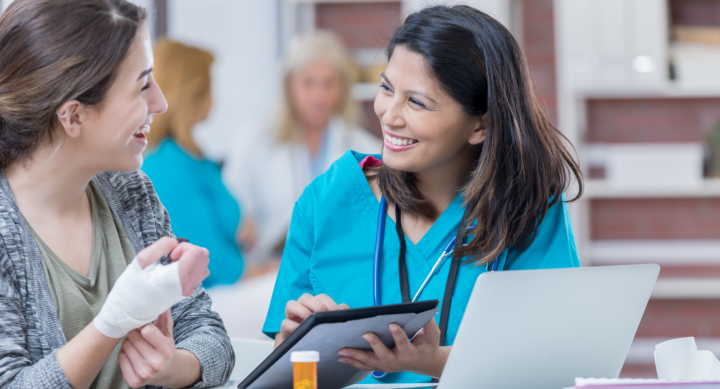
[(146, 289)]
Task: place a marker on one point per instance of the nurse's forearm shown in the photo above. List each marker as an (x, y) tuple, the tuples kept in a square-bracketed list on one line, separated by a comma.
[(435, 367), (82, 357)]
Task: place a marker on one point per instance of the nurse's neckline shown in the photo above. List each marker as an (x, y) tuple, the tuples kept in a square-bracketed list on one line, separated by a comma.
[(431, 233)]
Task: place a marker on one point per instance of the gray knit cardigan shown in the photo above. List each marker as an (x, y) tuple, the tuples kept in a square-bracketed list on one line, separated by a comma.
[(30, 330)]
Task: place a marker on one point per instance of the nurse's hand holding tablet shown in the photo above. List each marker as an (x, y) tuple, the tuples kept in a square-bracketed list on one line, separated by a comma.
[(472, 179), (423, 356), (297, 311)]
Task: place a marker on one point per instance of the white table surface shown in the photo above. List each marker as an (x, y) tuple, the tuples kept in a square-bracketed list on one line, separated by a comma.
[(358, 386), (390, 386)]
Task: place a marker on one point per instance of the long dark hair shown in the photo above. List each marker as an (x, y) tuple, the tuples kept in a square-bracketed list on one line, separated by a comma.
[(523, 167), (52, 51)]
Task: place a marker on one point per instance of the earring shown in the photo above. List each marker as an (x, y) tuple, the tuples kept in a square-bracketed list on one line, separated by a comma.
[(64, 115)]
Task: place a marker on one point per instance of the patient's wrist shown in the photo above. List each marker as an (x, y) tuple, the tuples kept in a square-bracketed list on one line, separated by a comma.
[(182, 370), (138, 297)]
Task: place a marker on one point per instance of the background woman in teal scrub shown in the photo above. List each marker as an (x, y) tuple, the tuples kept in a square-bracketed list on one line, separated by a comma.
[(465, 142), (190, 186)]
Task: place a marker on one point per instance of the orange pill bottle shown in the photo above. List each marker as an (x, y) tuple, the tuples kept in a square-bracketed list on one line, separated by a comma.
[(304, 369)]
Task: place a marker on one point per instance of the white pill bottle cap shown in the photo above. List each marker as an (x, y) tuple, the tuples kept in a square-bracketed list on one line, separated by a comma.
[(304, 356)]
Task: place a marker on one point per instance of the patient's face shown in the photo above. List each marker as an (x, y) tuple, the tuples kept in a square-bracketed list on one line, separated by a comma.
[(315, 91), (110, 133)]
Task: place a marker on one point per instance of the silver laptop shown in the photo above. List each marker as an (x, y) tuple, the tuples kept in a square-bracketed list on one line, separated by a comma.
[(542, 328)]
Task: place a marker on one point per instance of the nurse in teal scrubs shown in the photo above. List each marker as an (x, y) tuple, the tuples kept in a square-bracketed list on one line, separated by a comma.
[(466, 142)]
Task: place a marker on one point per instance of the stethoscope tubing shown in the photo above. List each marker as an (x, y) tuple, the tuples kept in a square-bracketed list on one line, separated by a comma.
[(376, 263), (378, 253), (492, 266), (446, 252), (378, 250), (379, 237)]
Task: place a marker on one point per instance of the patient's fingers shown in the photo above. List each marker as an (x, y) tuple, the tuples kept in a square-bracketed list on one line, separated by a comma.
[(192, 266), (155, 251)]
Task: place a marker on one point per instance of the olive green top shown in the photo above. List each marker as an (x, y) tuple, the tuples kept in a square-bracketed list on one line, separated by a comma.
[(77, 298)]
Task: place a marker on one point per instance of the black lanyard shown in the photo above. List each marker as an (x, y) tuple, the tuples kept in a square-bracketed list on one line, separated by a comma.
[(452, 274)]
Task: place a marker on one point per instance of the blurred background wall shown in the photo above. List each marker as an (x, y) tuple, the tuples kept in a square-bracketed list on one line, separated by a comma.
[(633, 84), (638, 93), (245, 39)]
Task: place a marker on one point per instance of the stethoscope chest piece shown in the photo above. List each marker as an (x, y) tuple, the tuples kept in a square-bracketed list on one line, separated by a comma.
[(379, 374)]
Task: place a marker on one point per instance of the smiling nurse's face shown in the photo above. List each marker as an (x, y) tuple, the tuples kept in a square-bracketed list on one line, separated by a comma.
[(423, 127)]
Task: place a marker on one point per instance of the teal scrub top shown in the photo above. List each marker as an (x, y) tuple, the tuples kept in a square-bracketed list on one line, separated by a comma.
[(331, 244), (200, 207)]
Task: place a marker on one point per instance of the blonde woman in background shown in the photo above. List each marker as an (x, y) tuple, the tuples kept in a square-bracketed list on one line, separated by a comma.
[(315, 126), (189, 186)]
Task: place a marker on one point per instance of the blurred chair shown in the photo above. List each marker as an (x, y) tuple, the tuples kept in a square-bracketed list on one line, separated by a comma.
[(243, 306), (189, 186), (249, 353)]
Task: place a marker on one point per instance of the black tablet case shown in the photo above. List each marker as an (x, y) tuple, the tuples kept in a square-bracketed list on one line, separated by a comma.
[(327, 333)]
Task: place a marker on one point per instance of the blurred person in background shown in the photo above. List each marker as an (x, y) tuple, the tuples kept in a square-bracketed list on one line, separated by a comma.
[(190, 187), (314, 127)]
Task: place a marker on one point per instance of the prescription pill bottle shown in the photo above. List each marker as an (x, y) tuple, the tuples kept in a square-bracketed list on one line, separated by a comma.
[(304, 369)]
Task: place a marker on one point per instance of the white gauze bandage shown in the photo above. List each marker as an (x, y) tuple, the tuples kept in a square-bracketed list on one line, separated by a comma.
[(138, 297)]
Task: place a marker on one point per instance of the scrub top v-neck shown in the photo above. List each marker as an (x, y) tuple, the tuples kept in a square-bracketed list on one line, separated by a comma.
[(331, 243)]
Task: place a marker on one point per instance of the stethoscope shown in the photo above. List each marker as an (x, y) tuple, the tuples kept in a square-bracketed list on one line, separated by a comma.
[(449, 248)]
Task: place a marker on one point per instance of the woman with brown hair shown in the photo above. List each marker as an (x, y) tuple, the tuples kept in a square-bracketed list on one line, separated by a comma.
[(469, 158), (190, 187), (85, 299)]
